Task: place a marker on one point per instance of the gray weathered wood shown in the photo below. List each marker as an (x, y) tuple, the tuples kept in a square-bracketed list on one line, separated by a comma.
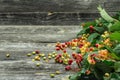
[(38, 33), (27, 70), (48, 5), (45, 19), (18, 41), (64, 12)]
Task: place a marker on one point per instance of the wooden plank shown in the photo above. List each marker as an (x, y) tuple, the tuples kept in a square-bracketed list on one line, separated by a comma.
[(112, 6), (19, 51), (27, 70), (36, 18), (48, 5), (39, 29), (37, 34), (62, 37)]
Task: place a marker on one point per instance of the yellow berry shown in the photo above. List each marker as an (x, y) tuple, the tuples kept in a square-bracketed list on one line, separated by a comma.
[(68, 56), (107, 74), (44, 58), (53, 56), (33, 60), (103, 36), (28, 54), (62, 58), (52, 75), (73, 48), (37, 58), (42, 55), (33, 53), (49, 57), (7, 55), (65, 61), (57, 72), (106, 32), (49, 54), (38, 64), (39, 55), (54, 52)]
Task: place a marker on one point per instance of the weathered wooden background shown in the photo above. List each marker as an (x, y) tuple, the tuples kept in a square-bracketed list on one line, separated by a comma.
[(64, 12), (28, 25)]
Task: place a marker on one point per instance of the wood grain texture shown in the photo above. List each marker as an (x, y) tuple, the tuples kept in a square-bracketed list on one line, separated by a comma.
[(36, 18), (18, 41), (38, 34), (27, 70), (48, 5), (64, 12)]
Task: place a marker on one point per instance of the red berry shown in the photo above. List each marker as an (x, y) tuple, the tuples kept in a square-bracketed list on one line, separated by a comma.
[(68, 43), (75, 40), (91, 27), (97, 45), (88, 72), (37, 52), (91, 48), (57, 48), (79, 57), (63, 45), (59, 55), (70, 61), (67, 68), (93, 55), (78, 61), (73, 54), (60, 61), (64, 51), (80, 46)]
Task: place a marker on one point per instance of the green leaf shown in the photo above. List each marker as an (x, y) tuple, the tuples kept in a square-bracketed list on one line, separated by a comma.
[(114, 56), (99, 29), (105, 15), (84, 30), (115, 76), (117, 66), (87, 24), (109, 49), (92, 37), (115, 26), (117, 16), (115, 36), (117, 50), (103, 67), (73, 77), (108, 62)]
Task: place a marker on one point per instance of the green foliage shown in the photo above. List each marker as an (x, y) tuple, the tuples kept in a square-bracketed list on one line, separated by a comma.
[(87, 24), (112, 65), (115, 36), (85, 30), (114, 56), (108, 62), (93, 37), (117, 16), (101, 68), (99, 29), (115, 27), (105, 15), (74, 77), (115, 76), (117, 66), (117, 50)]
